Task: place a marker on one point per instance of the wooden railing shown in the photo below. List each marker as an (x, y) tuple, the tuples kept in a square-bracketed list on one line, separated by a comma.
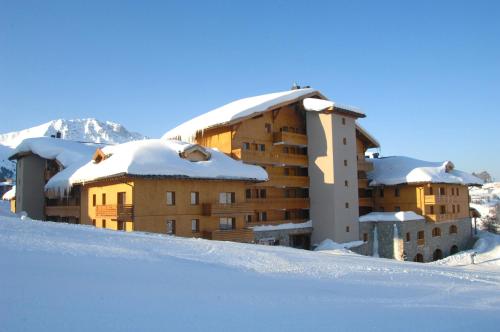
[(288, 181), (216, 209), (288, 138), (365, 166), (363, 183), (270, 158), (235, 235), (120, 212), (63, 211), (365, 201), (276, 222), (420, 242), (443, 199), (441, 217), (280, 203)]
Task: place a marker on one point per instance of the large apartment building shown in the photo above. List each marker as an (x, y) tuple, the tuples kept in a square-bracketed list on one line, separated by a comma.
[(307, 144)]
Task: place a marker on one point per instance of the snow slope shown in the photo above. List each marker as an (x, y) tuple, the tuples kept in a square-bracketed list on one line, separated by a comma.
[(61, 277)]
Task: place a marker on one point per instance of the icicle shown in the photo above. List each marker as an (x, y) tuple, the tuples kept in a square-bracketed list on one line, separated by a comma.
[(375, 242), (395, 244)]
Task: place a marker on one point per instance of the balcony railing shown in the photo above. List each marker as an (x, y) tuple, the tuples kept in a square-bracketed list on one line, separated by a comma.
[(120, 212), (235, 235), (420, 242), (270, 158), (366, 201), (442, 199), (363, 183), (281, 203), (288, 138), (216, 209), (365, 166), (63, 211), (288, 181), (441, 217)]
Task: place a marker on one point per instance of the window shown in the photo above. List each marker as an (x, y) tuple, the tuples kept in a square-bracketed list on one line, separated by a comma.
[(381, 192), (246, 146), (431, 209), (104, 223), (248, 218), (195, 198), (226, 223), (431, 191), (458, 192), (397, 208), (420, 235), (442, 191), (262, 216), (93, 222), (442, 209), (436, 231), (227, 198), (453, 206), (94, 200), (458, 208), (365, 237), (262, 147), (343, 121), (248, 193), (346, 183), (262, 193), (121, 198), (170, 197), (347, 229), (268, 128), (346, 205), (103, 199), (345, 162), (344, 140), (171, 227), (452, 191), (195, 225), (120, 225), (288, 215), (396, 192), (453, 229), (408, 237)]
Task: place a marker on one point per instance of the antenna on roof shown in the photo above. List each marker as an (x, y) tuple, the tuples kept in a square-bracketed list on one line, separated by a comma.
[(295, 86)]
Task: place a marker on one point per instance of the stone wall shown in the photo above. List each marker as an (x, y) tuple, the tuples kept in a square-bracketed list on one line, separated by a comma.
[(409, 249), (281, 236)]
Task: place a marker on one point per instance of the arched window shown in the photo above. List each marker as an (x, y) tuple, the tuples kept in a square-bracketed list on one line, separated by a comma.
[(436, 231), (453, 250), (418, 258), (438, 254), (453, 229)]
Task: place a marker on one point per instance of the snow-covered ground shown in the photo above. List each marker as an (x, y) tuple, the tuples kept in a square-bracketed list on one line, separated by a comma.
[(61, 277)]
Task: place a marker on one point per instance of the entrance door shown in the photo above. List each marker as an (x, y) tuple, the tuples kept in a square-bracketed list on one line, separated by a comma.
[(300, 241)]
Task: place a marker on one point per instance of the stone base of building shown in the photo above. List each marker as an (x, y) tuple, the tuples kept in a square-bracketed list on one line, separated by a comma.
[(401, 241), (297, 238)]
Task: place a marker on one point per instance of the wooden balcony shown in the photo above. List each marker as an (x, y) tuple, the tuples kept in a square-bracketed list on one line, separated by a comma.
[(364, 165), (281, 203), (366, 201), (216, 209), (234, 235), (270, 158), (442, 199), (363, 183), (282, 181), (288, 138), (276, 222), (441, 217), (63, 211), (118, 212)]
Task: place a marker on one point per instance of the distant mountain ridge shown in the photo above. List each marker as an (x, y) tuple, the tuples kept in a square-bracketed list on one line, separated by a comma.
[(85, 130)]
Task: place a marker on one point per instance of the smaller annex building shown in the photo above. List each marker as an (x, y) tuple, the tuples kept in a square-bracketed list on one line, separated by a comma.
[(163, 186), (421, 210)]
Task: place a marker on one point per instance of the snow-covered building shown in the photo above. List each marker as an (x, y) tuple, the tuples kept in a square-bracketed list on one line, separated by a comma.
[(11, 196), (163, 187), (38, 160), (308, 145), (421, 209)]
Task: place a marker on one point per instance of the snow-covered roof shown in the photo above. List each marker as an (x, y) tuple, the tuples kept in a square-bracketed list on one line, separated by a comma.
[(64, 151), (154, 157), (319, 105), (265, 228), (399, 170), (235, 110), (390, 216), (9, 195)]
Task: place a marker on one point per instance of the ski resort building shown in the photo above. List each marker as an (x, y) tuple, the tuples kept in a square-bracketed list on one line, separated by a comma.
[(422, 210), (308, 145), (164, 187)]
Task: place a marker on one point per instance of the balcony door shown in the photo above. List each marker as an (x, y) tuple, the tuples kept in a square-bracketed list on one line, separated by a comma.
[(121, 199)]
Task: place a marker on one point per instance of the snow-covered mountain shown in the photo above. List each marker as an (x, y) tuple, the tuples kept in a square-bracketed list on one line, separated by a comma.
[(86, 130)]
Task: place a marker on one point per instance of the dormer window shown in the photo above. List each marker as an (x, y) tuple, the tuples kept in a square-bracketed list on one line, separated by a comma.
[(195, 152), (99, 156)]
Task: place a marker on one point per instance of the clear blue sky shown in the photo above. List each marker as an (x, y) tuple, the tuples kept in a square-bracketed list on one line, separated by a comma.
[(426, 73)]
